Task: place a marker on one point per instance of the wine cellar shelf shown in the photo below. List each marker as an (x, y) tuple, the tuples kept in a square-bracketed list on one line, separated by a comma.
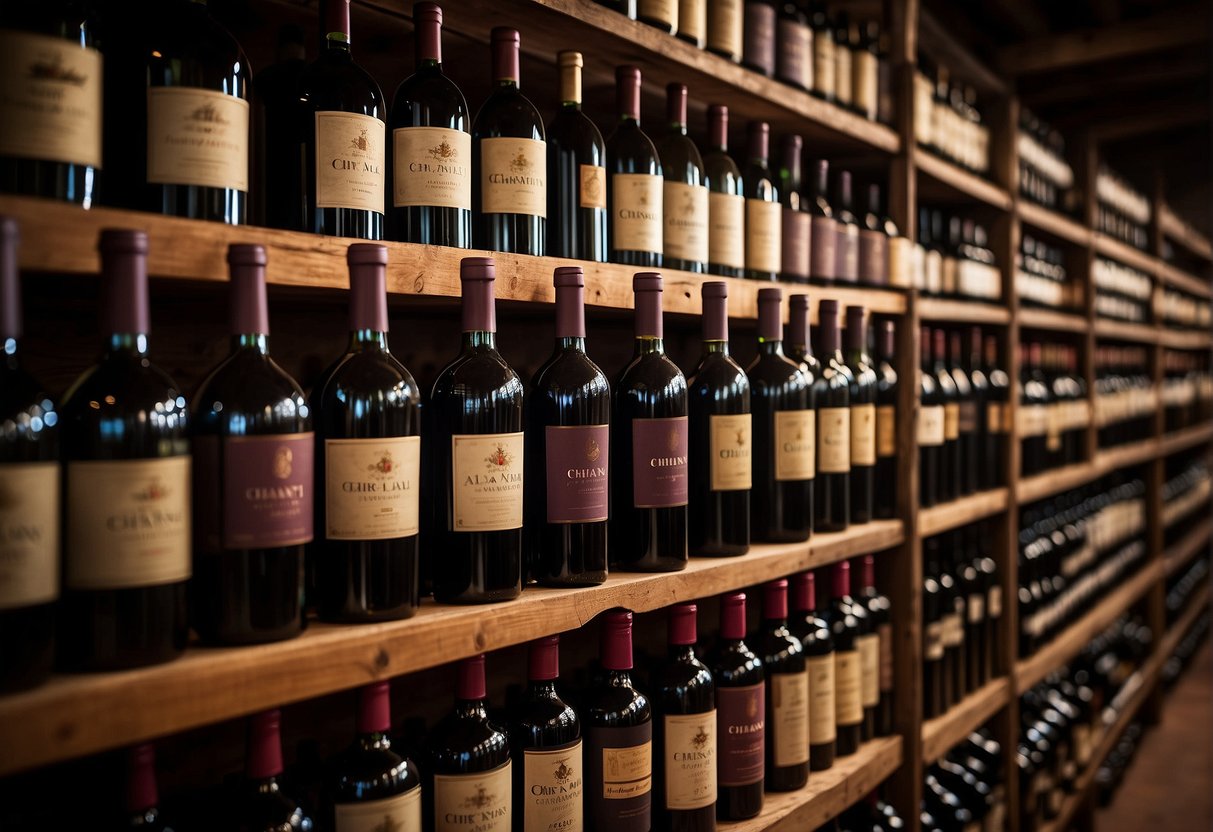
[(946, 730)]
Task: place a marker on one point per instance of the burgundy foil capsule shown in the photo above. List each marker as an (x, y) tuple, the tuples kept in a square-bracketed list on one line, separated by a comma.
[(469, 683), (569, 282), (775, 600), (770, 314), (505, 45), (627, 91), (264, 745), (10, 285), (798, 320), (856, 331), (842, 579), (715, 295), (759, 134), (732, 615), (477, 275), (427, 31), (681, 627), (718, 126), (804, 592), (124, 306), (375, 708), (141, 791), (543, 659), (368, 287), (869, 571), (676, 103), (616, 650), (248, 314), (647, 288), (337, 18)]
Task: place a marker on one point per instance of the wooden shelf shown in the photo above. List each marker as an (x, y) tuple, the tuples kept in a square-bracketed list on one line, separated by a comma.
[(1051, 222), (1124, 253), (1032, 317), (828, 793), (1181, 440), (1039, 486), (1048, 483), (1122, 456), (1199, 603), (1185, 339), (952, 515), (1126, 331), (962, 311), (1180, 279), (956, 181), (1182, 233), (1194, 542), (946, 730), (1066, 644)]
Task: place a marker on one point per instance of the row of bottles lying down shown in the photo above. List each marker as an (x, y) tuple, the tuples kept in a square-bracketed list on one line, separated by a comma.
[(230, 496), (965, 791)]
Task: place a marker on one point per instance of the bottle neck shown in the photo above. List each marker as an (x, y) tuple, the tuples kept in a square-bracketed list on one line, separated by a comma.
[(542, 688), (253, 341), (367, 340), (479, 339), (571, 343), (127, 342), (375, 741), (428, 43), (648, 345), (570, 87), (715, 347), (619, 678), (473, 709), (770, 347), (684, 653)]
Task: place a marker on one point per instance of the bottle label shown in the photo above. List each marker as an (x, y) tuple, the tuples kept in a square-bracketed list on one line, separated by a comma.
[(848, 687), (994, 602), (789, 718), (486, 474), (636, 224), (951, 422), (763, 235), (513, 176), (953, 630), (1033, 420), (690, 760), (759, 33), (619, 777), (884, 635), (659, 462), (349, 161), (593, 186), (863, 434), (833, 440), (995, 417), (692, 19), (1053, 426), (128, 523), (686, 221), (726, 222), (901, 262), (886, 431), (873, 257), (968, 417), (797, 233), (741, 724), (822, 719), (197, 137), (795, 445), (29, 532), (843, 76), (933, 644), (864, 90), (553, 783), (724, 27), (931, 425), (50, 99), (371, 488), (847, 252), (731, 449), (400, 813), (869, 666), (577, 473), (823, 258), (977, 608), (433, 167), (480, 802), (794, 57), (823, 65), (665, 11)]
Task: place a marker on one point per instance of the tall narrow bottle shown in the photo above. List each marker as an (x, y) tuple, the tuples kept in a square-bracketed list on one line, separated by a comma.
[(476, 421), (797, 228), (577, 180), (758, 36), (930, 428), (848, 663), (968, 426), (863, 417), (998, 422), (726, 203), (684, 197), (280, 123), (740, 715), (950, 459), (264, 802), (799, 346), (879, 617), (787, 681), (794, 45), (126, 448), (818, 643), (832, 397), (884, 499), (869, 660), (933, 610), (873, 265), (721, 438), (763, 214), (824, 70), (634, 199), (847, 225), (823, 253)]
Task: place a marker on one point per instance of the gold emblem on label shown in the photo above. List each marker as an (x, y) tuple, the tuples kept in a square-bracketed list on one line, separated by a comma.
[(283, 463)]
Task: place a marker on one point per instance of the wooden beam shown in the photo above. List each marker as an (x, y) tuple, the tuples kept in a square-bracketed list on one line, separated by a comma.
[(1158, 73), (1160, 120)]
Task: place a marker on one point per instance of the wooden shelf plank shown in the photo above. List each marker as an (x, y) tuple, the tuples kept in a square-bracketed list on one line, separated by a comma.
[(1039, 486), (963, 311), (957, 179), (1192, 544), (1125, 253), (1181, 440), (1121, 456), (1179, 231), (1051, 482), (1185, 339), (1181, 279), (946, 730), (1033, 317), (951, 515), (1126, 331), (1051, 222)]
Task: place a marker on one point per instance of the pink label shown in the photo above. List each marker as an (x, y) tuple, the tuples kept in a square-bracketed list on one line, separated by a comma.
[(659, 462), (741, 726), (760, 36), (267, 490), (873, 257), (793, 56), (577, 473), (847, 253), (824, 254), (797, 227)]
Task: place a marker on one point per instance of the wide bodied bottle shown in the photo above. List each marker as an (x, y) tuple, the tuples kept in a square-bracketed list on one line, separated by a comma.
[(884, 487), (848, 664), (832, 396), (817, 641), (634, 201), (431, 146), (684, 191), (740, 715), (721, 438), (726, 200), (262, 802), (125, 441), (577, 180), (568, 415), (367, 412), (787, 682), (863, 416), (763, 213), (649, 448)]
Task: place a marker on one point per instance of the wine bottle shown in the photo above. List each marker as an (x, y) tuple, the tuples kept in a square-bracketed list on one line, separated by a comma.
[(724, 28), (884, 500), (142, 795), (787, 683), (726, 204), (634, 200), (279, 125), (785, 427), (367, 410), (649, 451), (793, 45), (569, 447), (431, 146), (878, 608), (253, 478), (721, 438), (974, 581), (847, 227), (998, 422), (662, 14), (848, 664), (371, 781), (799, 345), (873, 264), (824, 70), (949, 468), (952, 629), (469, 771), (476, 421), (197, 160), (693, 22), (576, 158), (763, 213), (930, 428), (684, 697), (50, 112), (545, 735), (797, 227), (126, 500), (823, 254), (263, 803), (29, 495), (832, 398), (815, 637), (618, 738), (933, 609), (740, 715), (843, 75), (684, 196), (758, 43), (868, 643), (1034, 401), (863, 417), (509, 175), (967, 424)]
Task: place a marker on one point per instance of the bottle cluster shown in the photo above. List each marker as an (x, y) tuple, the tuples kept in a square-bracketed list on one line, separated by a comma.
[(1040, 276), (965, 789), (1045, 177), (1121, 292), (1186, 650), (947, 119), (1126, 398), (1054, 410), (1185, 493), (957, 261), (1183, 586), (871, 815), (1123, 212), (1187, 389), (1177, 308)]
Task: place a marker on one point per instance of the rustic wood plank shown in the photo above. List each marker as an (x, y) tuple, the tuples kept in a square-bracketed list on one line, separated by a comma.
[(1179, 231), (1051, 320), (1054, 223), (1185, 339), (1192, 544), (956, 179), (943, 732), (1125, 253), (1122, 456), (963, 311), (1180, 279), (1043, 485), (1126, 331), (961, 512)]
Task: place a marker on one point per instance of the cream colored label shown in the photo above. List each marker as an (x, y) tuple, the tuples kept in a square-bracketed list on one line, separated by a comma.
[(833, 440), (732, 452), (901, 262), (886, 430), (664, 10), (480, 802), (197, 137), (789, 717), (627, 772), (371, 487), (726, 221), (822, 719), (349, 161), (513, 176), (848, 687), (1033, 420), (50, 99), (996, 417), (869, 666), (724, 26), (933, 643), (951, 422), (692, 19), (690, 760), (29, 533), (865, 89), (401, 813), (486, 473), (823, 65), (842, 74), (795, 445), (433, 167), (863, 434), (685, 209), (637, 212), (930, 425), (593, 186), (994, 602), (128, 523), (553, 789), (763, 235)]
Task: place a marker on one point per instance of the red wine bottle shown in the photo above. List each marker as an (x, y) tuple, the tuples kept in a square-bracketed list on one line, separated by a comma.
[(968, 430), (726, 200), (787, 736), (649, 456), (818, 643), (763, 213), (949, 467), (545, 734), (431, 146), (798, 344), (279, 124), (758, 46), (476, 421), (125, 435), (721, 438), (847, 269), (253, 479), (868, 645), (509, 184), (684, 698), (618, 738), (569, 447), (823, 254), (634, 200), (933, 612), (29, 496), (368, 464), (879, 621), (797, 228), (848, 664), (577, 193), (263, 803), (998, 423), (981, 405), (884, 497), (863, 416), (740, 716), (930, 428), (874, 241), (832, 397), (684, 197), (794, 45), (142, 795), (372, 782)]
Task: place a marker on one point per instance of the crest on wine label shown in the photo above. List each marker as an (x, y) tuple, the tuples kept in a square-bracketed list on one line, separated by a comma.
[(153, 491), (520, 163), (383, 466), (592, 450), (283, 463), (563, 772), (482, 798), (701, 738), (444, 151), (499, 458), (207, 114), (361, 144)]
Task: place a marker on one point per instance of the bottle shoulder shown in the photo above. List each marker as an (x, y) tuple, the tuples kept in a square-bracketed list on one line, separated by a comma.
[(571, 370), (651, 372), (418, 93), (249, 393), (478, 373), (334, 82), (507, 113), (719, 370)]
